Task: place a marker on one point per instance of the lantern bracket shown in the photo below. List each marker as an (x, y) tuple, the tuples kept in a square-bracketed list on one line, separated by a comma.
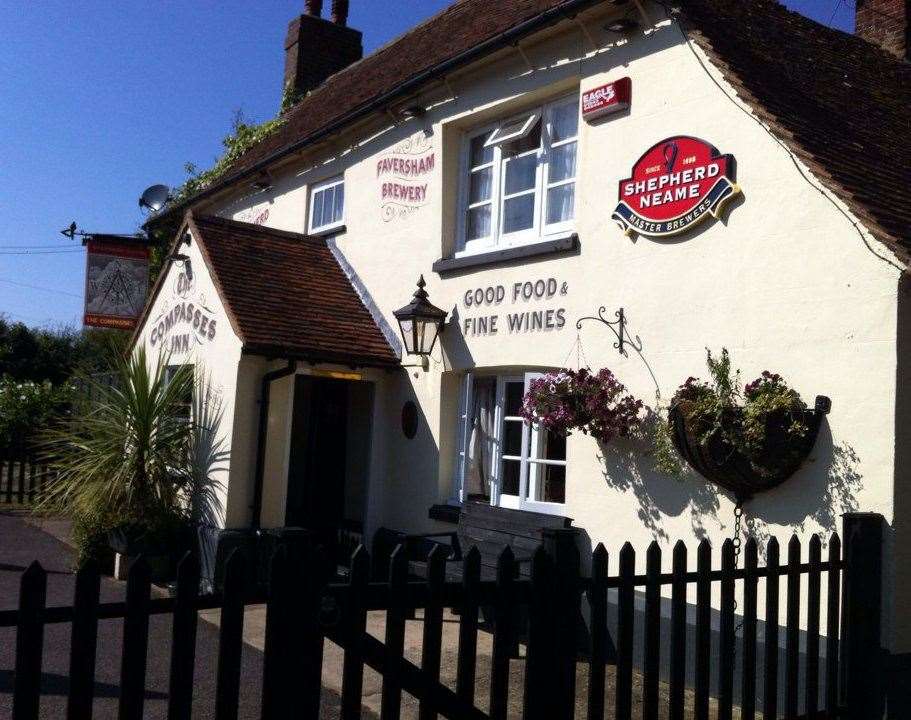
[(617, 327)]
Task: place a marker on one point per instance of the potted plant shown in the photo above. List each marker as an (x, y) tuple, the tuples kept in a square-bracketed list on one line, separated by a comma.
[(745, 440), (597, 404), (126, 464)]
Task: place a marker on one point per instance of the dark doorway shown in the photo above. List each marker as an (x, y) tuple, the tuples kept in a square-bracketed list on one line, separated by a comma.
[(317, 467)]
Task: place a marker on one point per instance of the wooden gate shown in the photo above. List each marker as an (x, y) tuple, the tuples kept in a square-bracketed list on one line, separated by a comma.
[(22, 479), (303, 606)]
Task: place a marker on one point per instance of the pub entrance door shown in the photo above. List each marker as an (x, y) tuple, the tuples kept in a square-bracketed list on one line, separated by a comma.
[(327, 468)]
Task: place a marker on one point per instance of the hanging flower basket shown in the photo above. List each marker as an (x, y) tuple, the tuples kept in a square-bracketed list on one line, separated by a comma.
[(597, 404), (746, 442)]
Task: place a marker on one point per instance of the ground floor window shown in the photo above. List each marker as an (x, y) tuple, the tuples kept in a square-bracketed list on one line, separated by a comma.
[(185, 405), (502, 458)]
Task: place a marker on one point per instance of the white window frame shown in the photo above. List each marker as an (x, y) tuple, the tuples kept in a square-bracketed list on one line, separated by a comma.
[(320, 187), (532, 436), (169, 372), (500, 137), (540, 230)]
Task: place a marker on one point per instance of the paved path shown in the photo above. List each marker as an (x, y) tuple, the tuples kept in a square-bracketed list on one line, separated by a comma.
[(20, 544)]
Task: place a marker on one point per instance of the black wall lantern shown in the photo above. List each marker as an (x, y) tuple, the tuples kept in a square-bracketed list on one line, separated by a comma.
[(420, 322)]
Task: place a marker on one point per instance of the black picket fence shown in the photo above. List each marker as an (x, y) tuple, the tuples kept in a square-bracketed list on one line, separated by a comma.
[(23, 479), (305, 604)]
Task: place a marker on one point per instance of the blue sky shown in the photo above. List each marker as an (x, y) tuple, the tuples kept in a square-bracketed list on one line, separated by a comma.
[(106, 99)]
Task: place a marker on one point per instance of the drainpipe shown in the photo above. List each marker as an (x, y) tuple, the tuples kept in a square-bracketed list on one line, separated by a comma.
[(267, 381)]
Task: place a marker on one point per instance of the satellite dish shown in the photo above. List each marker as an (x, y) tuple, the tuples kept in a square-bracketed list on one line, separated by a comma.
[(155, 198)]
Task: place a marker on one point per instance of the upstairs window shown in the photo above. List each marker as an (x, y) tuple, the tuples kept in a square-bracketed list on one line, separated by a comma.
[(519, 178), (327, 205)]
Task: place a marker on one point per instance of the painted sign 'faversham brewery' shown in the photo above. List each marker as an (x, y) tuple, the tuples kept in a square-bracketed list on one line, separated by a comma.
[(677, 183)]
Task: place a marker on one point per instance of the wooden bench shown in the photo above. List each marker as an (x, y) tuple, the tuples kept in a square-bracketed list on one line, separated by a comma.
[(488, 528)]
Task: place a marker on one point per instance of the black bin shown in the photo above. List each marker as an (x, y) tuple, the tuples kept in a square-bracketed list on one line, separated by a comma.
[(243, 539)]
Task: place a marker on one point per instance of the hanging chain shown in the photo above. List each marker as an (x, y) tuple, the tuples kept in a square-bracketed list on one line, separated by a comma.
[(738, 541)]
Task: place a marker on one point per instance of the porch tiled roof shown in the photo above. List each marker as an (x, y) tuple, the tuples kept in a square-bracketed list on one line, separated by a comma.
[(287, 296)]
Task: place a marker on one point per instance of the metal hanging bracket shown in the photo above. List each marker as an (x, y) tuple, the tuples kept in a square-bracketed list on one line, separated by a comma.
[(618, 327)]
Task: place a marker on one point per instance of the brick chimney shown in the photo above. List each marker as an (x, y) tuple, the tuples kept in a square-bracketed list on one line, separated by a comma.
[(886, 23), (316, 48)]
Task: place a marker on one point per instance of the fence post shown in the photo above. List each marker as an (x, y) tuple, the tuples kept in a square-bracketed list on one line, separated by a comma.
[(560, 545), (861, 619)]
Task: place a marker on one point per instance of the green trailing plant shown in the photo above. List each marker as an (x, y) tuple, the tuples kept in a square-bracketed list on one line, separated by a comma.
[(243, 136), (748, 421)]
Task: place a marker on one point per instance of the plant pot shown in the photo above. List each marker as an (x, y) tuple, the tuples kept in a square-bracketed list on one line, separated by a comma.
[(717, 460)]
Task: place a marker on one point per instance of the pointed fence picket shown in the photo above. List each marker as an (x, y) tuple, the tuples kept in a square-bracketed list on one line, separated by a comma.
[(303, 608)]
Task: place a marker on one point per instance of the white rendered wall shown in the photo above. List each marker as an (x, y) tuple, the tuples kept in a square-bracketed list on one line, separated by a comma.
[(785, 282)]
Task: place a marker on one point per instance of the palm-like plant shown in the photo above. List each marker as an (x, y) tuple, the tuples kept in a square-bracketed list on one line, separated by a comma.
[(129, 453)]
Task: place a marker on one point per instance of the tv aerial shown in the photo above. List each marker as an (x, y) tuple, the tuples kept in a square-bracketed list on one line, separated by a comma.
[(154, 198)]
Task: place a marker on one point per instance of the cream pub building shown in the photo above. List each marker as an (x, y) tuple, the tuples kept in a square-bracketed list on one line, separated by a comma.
[(728, 173)]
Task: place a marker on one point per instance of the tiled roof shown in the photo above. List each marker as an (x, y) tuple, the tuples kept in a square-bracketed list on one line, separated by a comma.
[(840, 103), (287, 296), (462, 27)]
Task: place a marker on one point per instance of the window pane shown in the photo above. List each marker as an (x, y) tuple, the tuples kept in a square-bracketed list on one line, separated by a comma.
[(318, 209), (520, 174), (553, 486), (513, 126), (562, 163), (479, 222), (510, 484), (554, 446), (339, 203), (564, 121), (515, 391), (480, 185), (519, 213), (561, 203), (481, 155), (512, 437), (532, 141)]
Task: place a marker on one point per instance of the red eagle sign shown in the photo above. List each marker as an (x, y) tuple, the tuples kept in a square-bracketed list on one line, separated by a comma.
[(677, 183)]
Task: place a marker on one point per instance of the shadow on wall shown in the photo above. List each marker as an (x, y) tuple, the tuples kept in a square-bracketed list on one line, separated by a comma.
[(824, 488)]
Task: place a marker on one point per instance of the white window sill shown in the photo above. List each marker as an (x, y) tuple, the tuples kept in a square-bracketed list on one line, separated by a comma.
[(328, 230), (552, 244)]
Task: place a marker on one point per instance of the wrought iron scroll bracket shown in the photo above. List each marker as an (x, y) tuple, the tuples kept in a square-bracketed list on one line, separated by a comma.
[(617, 327)]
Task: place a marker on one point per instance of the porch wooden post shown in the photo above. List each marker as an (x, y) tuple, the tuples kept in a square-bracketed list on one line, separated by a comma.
[(861, 619)]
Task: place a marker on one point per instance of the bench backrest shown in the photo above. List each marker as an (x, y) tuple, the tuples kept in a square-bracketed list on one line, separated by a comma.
[(491, 529)]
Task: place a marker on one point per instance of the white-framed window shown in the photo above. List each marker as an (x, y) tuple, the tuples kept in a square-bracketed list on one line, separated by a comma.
[(502, 458), (327, 205), (185, 405), (518, 178)]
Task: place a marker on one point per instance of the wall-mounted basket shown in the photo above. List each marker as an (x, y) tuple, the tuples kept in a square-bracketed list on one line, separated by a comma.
[(715, 459)]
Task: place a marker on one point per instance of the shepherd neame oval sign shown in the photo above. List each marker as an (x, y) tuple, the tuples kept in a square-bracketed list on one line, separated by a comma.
[(677, 183)]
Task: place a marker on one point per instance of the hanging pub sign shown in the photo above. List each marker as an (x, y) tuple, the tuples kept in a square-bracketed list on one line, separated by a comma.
[(677, 183), (607, 99), (116, 283)]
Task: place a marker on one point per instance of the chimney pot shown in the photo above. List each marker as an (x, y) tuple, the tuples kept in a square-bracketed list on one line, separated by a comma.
[(340, 12), (314, 7), (886, 23)]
